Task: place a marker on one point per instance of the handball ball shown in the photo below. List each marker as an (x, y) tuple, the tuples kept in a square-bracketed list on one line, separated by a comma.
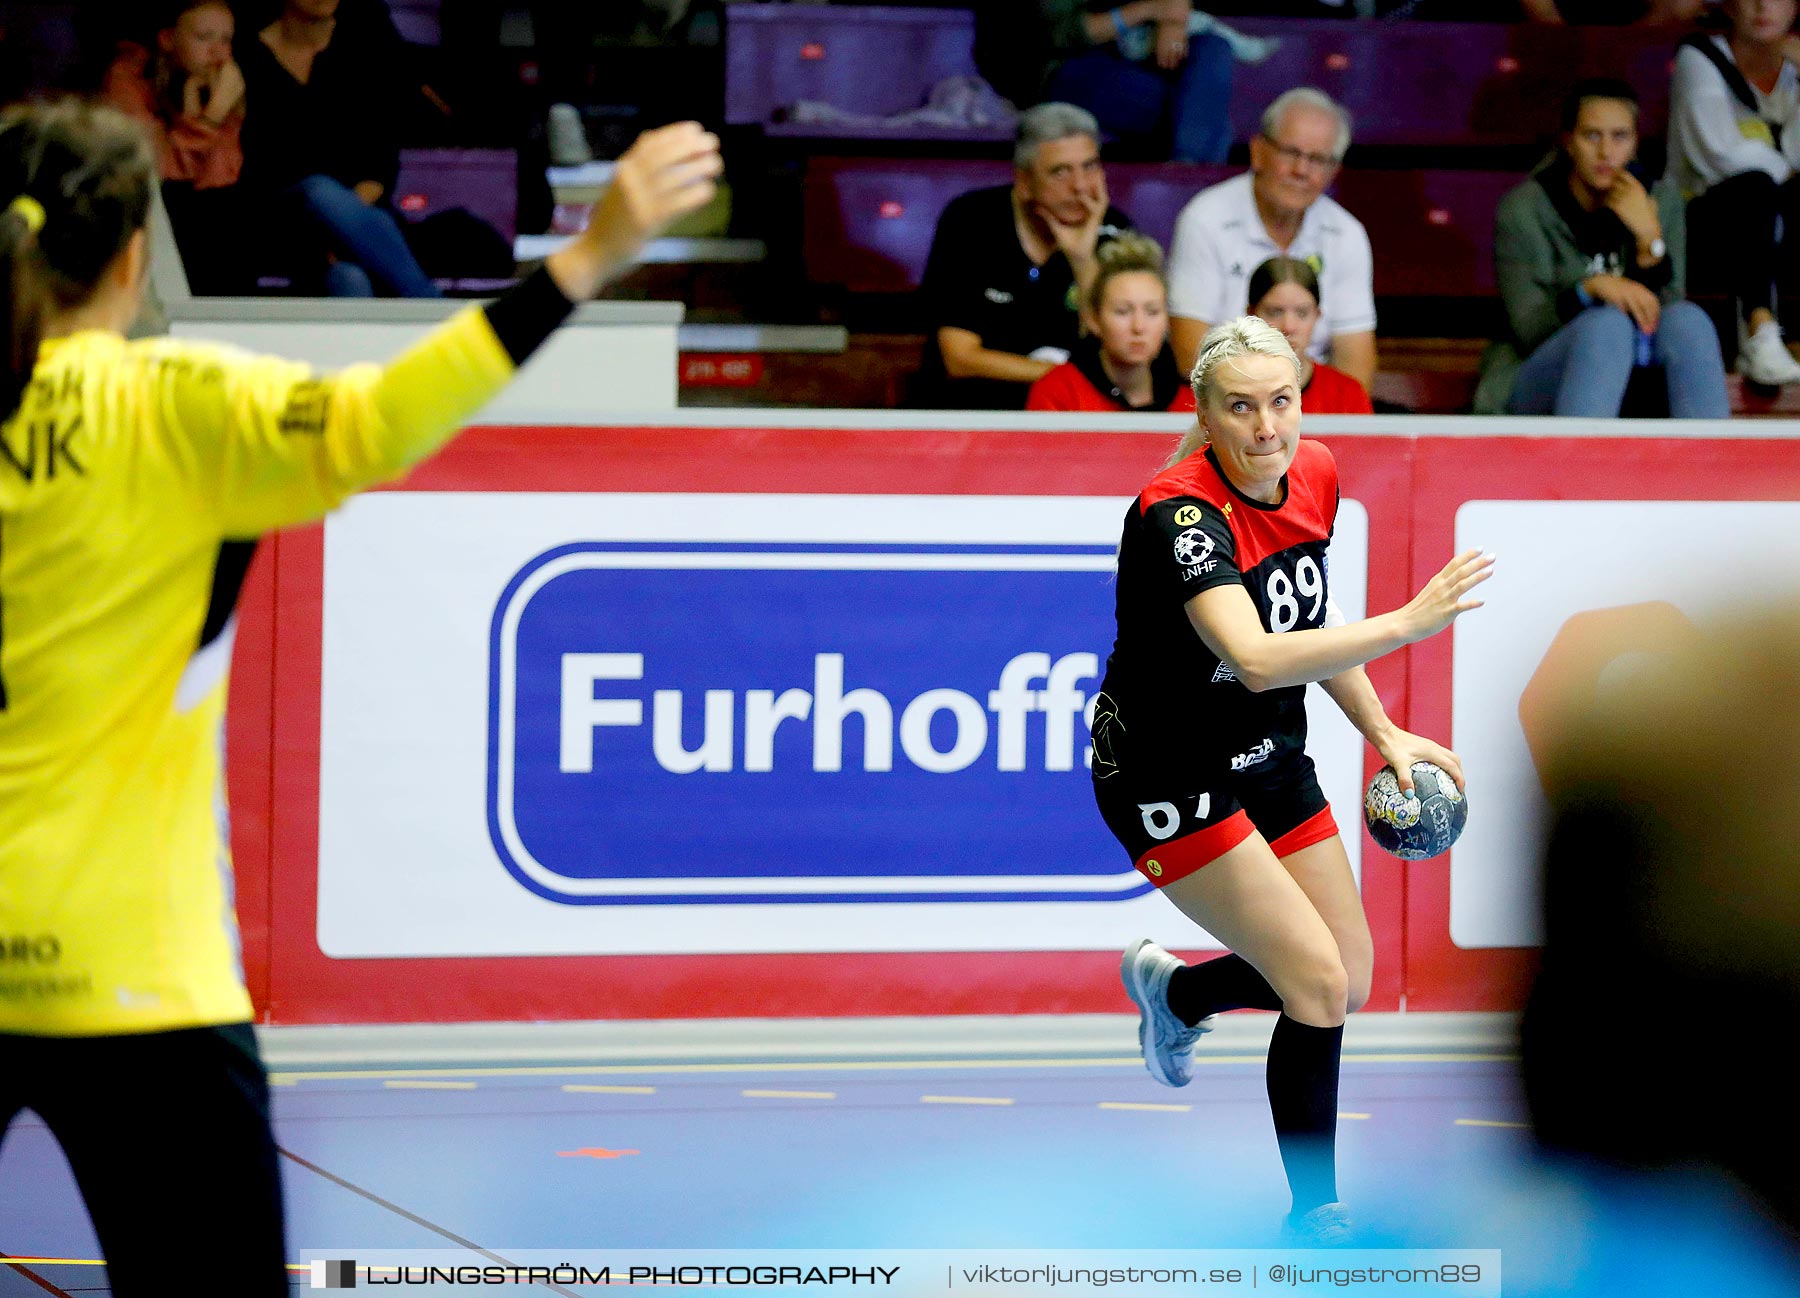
[(1422, 826)]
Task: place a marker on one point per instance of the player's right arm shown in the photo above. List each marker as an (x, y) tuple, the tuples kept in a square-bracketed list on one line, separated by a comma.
[(271, 443), (1226, 619)]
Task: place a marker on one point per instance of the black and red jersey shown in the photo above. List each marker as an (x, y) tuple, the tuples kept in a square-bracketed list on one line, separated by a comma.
[(1189, 531)]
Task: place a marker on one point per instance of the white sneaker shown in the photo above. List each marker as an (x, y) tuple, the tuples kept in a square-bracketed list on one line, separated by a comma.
[(1763, 358), (1167, 1043), (568, 138), (1326, 1226)]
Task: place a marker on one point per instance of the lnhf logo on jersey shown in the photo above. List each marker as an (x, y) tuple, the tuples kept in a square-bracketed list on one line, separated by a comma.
[(1261, 753), (1192, 546), (652, 742), (333, 1274)]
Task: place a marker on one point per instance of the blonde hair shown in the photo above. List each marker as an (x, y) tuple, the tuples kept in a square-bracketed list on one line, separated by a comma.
[(1128, 253), (1245, 336)]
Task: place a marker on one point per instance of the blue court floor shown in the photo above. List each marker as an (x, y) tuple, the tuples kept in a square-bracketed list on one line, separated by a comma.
[(980, 1152)]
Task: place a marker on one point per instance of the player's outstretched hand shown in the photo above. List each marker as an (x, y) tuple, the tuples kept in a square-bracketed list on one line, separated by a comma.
[(1446, 596), (665, 174)]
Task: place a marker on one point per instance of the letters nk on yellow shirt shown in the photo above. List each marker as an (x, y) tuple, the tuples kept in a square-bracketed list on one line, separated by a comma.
[(131, 474)]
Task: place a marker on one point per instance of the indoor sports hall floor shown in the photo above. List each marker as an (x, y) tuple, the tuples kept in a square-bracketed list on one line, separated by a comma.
[(995, 1144)]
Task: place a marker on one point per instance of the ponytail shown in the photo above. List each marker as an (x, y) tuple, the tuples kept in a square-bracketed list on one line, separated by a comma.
[(75, 184), (21, 298)]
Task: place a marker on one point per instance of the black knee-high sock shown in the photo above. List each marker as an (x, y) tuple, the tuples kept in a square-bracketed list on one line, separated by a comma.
[(1303, 1098), (1228, 983)]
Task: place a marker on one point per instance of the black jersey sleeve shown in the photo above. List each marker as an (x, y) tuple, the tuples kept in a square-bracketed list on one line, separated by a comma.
[(1190, 545)]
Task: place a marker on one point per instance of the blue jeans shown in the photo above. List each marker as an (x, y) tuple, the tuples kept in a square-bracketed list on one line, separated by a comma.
[(1583, 368), (1140, 99), (372, 256)]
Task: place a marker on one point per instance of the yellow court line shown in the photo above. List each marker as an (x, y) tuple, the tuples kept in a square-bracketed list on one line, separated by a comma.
[(963, 1099), (610, 1090), (1354, 1117), (1147, 1108), (52, 1261), (789, 1095), (1484, 1122), (429, 1086), (289, 1076)]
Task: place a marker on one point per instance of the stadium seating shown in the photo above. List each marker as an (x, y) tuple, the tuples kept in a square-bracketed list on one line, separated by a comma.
[(874, 61), (420, 21), (483, 181), (1444, 86), (869, 221)]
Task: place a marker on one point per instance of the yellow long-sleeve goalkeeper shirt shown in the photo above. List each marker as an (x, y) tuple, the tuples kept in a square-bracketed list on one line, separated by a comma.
[(126, 477)]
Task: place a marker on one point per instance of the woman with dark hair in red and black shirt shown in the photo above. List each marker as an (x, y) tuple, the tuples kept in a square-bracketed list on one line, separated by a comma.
[(1123, 361)]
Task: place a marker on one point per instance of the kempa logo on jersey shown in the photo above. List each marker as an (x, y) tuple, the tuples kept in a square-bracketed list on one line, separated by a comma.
[(1261, 753), (868, 733)]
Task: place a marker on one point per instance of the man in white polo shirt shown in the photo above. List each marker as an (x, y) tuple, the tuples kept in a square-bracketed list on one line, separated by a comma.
[(1279, 208)]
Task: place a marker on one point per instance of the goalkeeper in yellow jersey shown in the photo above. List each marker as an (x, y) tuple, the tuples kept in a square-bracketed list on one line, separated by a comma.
[(133, 477)]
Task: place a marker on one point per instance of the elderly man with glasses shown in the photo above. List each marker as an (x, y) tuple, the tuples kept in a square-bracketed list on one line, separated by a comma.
[(1279, 208)]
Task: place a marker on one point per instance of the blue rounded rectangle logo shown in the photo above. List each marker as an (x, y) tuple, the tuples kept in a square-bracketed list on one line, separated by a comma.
[(714, 723)]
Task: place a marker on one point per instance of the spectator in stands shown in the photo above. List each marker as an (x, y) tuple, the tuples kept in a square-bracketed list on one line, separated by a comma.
[(1135, 66), (1285, 292), (1734, 146), (323, 139), (1589, 267), (189, 94), (1008, 265), (1279, 207), (1124, 361)]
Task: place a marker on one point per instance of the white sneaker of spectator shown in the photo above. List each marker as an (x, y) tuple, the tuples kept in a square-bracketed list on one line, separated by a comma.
[(568, 138), (1764, 358)]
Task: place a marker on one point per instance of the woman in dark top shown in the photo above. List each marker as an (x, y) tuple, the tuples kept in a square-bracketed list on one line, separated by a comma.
[(1589, 264), (323, 138)]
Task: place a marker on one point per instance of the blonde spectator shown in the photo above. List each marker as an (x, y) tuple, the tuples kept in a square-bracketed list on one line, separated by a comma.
[(1124, 361)]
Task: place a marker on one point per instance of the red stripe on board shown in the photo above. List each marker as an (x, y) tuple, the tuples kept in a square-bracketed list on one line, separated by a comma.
[(249, 722), (851, 461)]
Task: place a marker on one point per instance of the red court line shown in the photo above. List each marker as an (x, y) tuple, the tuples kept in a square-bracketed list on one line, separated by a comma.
[(36, 1279)]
